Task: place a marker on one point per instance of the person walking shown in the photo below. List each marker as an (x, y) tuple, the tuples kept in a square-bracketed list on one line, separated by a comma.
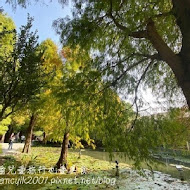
[(10, 143)]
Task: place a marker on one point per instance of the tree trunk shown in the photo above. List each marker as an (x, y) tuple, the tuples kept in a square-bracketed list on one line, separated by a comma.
[(64, 150), (2, 138), (179, 63), (8, 134), (184, 83), (20, 134), (188, 148), (44, 138), (27, 145)]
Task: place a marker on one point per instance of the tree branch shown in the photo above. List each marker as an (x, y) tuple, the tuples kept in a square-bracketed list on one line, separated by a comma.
[(136, 97), (152, 57), (138, 34), (128, 69), (164, 51)]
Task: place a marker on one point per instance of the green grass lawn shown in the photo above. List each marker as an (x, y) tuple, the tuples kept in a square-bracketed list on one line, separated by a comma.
[(48, 156)]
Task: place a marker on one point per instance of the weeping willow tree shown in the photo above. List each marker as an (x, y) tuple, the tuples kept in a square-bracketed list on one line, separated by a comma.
[(75, 107), (135, 43)]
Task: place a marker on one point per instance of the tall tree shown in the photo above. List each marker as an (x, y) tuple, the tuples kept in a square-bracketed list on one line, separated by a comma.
[(61, 119), (21, 76), (134, 42), (51, 65), (73, 107)]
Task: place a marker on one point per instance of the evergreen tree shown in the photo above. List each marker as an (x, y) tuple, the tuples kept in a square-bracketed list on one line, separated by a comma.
[(20, 72)]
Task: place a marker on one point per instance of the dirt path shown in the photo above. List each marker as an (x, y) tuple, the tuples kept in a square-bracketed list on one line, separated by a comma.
[(14, 150)]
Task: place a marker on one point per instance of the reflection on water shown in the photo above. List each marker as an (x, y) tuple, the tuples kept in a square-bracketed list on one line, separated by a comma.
[(158, 166)]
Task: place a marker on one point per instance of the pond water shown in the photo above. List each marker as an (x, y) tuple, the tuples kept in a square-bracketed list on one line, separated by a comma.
[(162, 166)]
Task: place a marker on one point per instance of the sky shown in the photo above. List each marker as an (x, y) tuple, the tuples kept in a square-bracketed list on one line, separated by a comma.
[(44, 14)]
